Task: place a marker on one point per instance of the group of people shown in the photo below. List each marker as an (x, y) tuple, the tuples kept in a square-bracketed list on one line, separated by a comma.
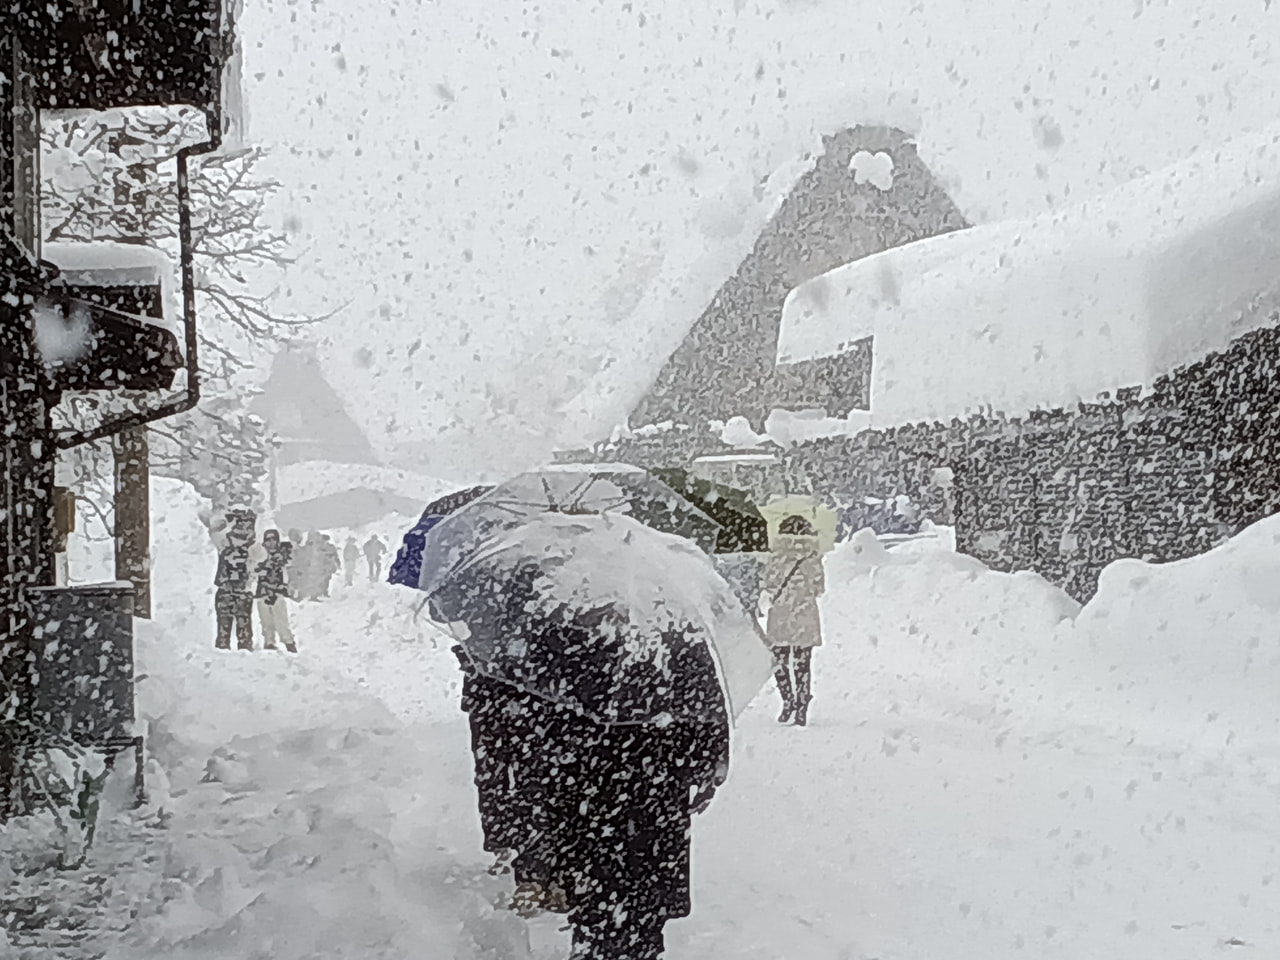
[(266, 576), (247, 573), (317, 562), (373, 551)]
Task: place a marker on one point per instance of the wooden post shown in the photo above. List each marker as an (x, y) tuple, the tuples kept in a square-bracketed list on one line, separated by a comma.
[(133, 515)]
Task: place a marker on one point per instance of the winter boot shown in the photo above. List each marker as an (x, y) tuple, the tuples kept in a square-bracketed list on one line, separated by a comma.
[(528, 900), (502, 862), (782, 676), (804, 684), (802, 713)]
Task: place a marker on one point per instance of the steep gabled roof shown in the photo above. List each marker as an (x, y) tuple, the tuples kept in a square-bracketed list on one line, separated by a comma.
[(304, 410), (840, 210), (1110, 292)]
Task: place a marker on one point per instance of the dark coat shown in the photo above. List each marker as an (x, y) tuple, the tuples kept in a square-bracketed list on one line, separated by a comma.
[(604, 811), (500, 736), (623, 812), (233, 569), (273, 580)]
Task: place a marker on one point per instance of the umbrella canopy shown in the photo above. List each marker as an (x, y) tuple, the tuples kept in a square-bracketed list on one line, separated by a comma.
[(617, 489), (825, 520), (617, 620), (742, 528), (407, 568)]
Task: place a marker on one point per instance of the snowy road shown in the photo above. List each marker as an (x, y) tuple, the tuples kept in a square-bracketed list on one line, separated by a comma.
[(989, 773), (934, 825)]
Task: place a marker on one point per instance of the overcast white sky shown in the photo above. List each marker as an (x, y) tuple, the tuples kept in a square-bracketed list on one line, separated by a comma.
[(529, 203)]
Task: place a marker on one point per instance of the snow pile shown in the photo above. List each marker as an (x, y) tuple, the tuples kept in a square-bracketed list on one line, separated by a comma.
[(936, 625), (108, 263), (1187, 651), (1193, 646), (1108, 293)]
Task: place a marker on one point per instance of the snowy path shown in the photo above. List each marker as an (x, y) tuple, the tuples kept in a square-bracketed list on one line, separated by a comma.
[(941, 826), (965, 788)]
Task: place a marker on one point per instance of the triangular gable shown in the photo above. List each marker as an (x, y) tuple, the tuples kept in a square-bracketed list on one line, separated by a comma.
[(867, 192), (306, 413)]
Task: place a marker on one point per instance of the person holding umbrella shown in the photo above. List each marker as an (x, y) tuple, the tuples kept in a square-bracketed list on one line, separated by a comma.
[(793, 581), (626, 655)]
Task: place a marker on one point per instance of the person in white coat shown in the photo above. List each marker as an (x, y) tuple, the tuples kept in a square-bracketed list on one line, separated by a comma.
[(273, 593), (793, 581)]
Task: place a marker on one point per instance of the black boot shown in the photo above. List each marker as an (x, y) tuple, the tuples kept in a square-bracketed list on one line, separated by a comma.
[(804, 684), (782, 676)]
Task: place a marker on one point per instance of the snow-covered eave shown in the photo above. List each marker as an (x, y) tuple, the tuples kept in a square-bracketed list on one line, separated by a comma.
[(1112, 292), (737, 458), (107, 263)]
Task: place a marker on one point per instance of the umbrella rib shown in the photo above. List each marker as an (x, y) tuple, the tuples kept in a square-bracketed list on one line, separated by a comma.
[(581, 491), (551, 497)]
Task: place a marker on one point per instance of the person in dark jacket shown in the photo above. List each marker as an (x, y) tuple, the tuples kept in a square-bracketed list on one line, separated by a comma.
[(329, 563), (350, 557), (273, 593), (233, 595), (374, 549), (599, 816), (624, 845)]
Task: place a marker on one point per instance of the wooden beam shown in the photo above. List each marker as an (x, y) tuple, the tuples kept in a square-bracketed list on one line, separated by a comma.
[(133, 515)]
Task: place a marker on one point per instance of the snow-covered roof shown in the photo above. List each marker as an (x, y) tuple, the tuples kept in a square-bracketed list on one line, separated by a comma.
[(737, 458), (1109, 293), (592, 468), (108, 263)]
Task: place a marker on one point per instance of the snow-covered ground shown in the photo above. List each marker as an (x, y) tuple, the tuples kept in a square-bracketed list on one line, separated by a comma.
[(989, 772)]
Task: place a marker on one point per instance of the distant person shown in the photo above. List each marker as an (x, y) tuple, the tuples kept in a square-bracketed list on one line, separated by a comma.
[(233, 592), (309, 587), (350, 559), (273, 593), (328, 563), (793, 581), (295, 572), (374, 550)]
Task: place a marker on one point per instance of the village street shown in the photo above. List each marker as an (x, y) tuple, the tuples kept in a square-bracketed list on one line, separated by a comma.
[(948, 798)]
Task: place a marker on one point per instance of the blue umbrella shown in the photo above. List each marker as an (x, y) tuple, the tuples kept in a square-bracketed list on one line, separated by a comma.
[(407, 568)]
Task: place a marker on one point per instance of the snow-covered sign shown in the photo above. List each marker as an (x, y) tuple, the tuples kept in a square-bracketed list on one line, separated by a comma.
[(1109, 293), (106, 263)]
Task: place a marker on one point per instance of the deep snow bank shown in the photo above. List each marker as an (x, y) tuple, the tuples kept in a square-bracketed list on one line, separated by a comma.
[(1188, 650), (1194, 645)]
